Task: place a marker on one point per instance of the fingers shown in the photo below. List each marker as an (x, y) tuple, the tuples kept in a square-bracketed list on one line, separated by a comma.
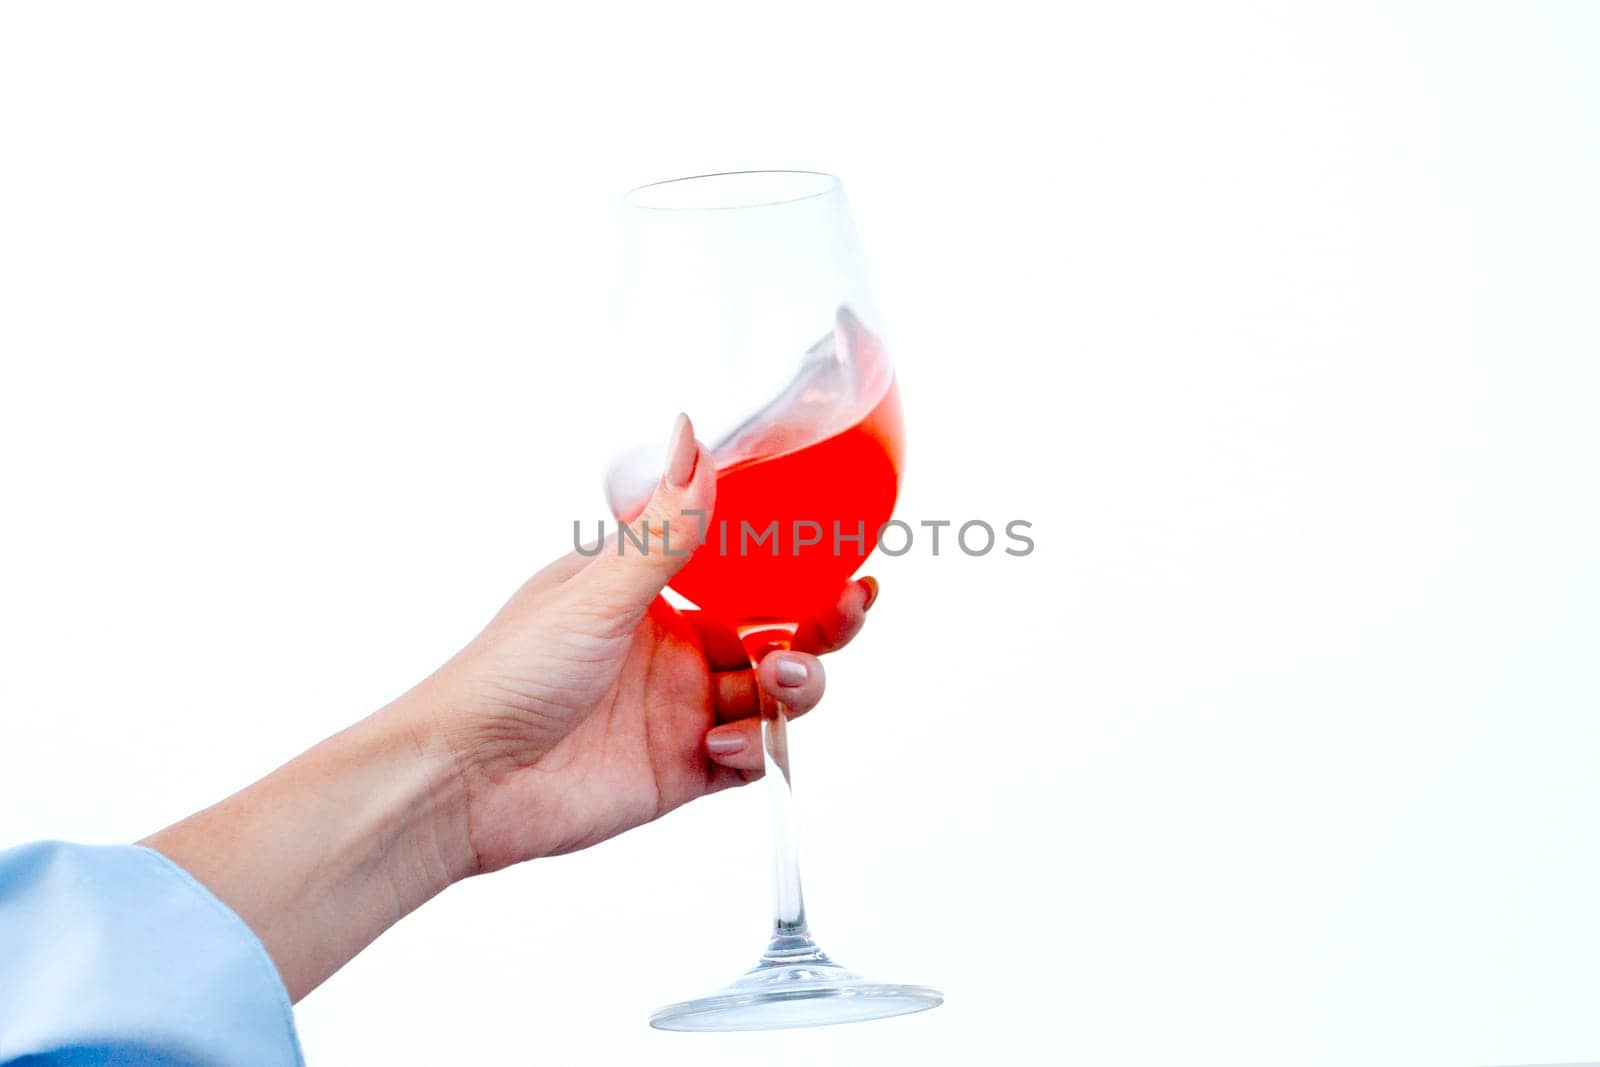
[(733, 695), (736, 745), (559, 571), (794, 678), (827, 632), (724, 652), (721, 778), (831, 630), (631, 571)]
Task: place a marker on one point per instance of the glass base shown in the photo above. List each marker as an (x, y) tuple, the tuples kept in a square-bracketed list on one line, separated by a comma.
[(795, 984)]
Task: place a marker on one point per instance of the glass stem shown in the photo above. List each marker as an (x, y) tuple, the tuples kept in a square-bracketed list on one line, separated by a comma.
[(791, 938)]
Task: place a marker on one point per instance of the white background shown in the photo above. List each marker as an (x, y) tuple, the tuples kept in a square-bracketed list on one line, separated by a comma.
[(1279, 323)]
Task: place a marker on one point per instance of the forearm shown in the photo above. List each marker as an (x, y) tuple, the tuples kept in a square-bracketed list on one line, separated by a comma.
[(331, 849)]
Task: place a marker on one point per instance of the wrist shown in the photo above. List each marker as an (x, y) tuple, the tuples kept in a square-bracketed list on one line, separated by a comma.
[(326, 852), (432, 826)]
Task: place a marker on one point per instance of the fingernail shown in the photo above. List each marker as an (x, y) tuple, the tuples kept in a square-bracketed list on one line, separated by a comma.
[(725, 744), (682, 453), (872, 591), (792, 673)]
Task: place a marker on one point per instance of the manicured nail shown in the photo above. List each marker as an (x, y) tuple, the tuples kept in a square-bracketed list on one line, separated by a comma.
[(682, 453), (725, 744), (792, 673), (872, 591)]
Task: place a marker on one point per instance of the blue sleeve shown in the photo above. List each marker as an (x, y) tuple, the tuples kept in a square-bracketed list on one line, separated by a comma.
[(114, 955)]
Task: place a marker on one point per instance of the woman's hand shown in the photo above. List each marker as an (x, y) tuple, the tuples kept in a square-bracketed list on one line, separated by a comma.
[(588, 705)]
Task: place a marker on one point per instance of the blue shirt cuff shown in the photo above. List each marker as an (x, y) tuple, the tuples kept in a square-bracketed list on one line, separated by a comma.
[(115, 954)]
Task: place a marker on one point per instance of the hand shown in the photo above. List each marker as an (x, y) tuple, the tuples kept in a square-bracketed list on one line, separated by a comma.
[(590, 705)]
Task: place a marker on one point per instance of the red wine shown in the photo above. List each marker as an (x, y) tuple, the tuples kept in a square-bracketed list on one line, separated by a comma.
[(803, 488), (850, 478)]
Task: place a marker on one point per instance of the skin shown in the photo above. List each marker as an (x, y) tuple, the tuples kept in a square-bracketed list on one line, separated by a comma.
[(586, 707)]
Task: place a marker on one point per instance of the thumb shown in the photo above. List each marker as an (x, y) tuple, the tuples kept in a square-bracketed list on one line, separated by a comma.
[(637, 562)]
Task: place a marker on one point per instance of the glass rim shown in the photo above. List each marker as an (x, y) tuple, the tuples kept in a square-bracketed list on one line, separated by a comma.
[(808, 185)]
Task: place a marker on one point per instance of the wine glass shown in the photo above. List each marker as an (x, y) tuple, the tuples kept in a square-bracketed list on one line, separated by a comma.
[(745, 303)]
